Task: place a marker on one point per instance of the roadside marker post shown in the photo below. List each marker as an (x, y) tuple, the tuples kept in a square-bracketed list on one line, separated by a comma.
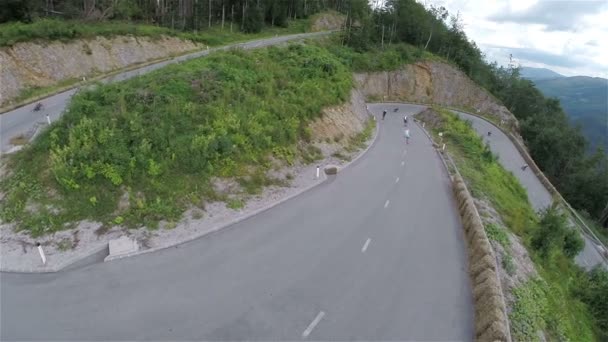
[(443, 148), (42, 256), (48, 119), (318, 170)]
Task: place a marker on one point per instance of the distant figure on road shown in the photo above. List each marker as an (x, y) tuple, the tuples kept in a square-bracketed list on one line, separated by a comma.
[(489, 133), (383, 114), (407, 136), (38, 107), (524, 167), (396, 109), (405, 120)]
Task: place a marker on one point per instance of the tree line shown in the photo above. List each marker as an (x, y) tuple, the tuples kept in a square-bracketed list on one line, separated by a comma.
[(558, 147), (246, 15)]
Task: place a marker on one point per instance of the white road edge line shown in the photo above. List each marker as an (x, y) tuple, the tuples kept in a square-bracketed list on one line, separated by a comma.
[(313, 324), (365, 245), (386, 203), (397, 180)]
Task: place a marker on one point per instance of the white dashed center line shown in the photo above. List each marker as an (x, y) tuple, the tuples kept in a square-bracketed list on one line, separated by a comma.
[(365, 245), (402, 163), (397, 180), (313, 324), (386, 203)]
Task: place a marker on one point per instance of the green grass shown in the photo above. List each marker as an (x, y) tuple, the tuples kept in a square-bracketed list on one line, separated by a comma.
[(548, 303), (392, 57), (499, 235), (66, 30), (161, 137)]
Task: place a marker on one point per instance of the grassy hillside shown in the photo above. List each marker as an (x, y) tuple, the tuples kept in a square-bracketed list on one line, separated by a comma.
[(65, 30), (552, 302), (585, 100), (156, 141)]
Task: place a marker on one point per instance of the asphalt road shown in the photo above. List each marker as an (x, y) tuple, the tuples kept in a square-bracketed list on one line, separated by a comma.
[(539, 197), (375, 253), (24, 119)]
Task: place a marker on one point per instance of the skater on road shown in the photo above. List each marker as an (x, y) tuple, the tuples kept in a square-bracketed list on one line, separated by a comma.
[(383, 114), (405, 120)]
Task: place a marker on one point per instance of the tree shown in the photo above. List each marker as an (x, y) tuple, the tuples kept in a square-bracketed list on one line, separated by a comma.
[(253, 21)]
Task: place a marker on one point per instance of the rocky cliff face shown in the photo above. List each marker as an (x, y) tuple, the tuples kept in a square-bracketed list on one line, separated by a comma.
[(431, 82), (26, 65)]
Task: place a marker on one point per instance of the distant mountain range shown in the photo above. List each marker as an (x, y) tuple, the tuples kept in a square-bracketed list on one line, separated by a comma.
[(583, 98), (538, 73)]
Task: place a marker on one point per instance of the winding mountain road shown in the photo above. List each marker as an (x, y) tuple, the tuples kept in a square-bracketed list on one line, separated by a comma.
[(539, 196), (24, 119), (375, 253)]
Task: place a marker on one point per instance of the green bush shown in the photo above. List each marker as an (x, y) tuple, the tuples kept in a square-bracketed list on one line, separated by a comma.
[(593, 290), (498, 234), (161, 137), (555, 236), (392, 57)]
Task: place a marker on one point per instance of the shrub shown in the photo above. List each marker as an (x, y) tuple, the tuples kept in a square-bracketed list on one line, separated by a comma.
[(554, 235), (593, 290)]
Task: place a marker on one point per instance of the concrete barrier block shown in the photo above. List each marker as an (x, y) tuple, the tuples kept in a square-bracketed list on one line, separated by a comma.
[(121, 247)]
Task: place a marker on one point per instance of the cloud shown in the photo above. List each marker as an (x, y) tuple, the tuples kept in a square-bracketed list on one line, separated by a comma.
[(553, 15), (538, 56), (592, 43)]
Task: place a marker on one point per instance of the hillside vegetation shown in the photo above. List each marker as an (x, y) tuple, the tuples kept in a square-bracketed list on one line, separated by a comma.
[(558, 302), (158, 139)]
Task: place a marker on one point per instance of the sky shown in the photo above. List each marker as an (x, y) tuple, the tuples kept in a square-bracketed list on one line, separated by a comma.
[(566, 36)]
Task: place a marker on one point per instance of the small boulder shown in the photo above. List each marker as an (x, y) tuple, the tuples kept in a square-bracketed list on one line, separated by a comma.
[(331, 170)]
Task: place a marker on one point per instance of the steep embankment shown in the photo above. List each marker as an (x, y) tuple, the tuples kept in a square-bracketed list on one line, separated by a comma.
[(432, 83), (31, 64)]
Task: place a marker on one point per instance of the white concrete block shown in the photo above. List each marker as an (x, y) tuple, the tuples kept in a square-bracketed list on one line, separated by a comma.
[(121, 247)]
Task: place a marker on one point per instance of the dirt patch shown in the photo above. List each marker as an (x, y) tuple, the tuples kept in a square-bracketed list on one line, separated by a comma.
[(327, 21), (340, 122)]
